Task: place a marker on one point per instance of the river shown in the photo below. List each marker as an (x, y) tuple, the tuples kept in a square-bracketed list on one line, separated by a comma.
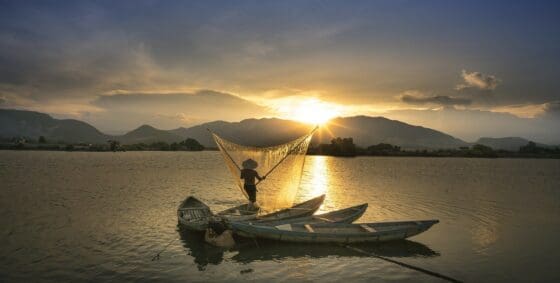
[(84, 216)]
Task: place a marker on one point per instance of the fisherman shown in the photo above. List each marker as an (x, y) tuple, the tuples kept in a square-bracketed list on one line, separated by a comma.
[(248, 174)]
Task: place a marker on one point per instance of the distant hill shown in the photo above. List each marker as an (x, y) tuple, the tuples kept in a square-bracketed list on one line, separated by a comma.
[(148, 134), (29, 124), (252, 132), (368, 131), (365, 130), (507, 143)]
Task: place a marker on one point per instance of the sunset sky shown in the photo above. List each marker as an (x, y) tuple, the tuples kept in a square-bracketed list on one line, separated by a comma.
[(470, 68)]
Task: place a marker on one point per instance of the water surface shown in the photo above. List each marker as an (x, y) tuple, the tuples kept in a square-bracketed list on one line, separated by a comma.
[(79, 216)]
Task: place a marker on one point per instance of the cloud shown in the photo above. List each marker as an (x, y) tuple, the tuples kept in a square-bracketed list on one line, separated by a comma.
[(124, 111), (471, 124), (478, 80), (526, 110), (552, 107), (417, 98)]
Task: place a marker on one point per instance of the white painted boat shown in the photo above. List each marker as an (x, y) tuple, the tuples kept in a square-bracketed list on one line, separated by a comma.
[(306, 208), (239, 213), (346, 215), (193, 214), (242, 213), (333, 232)]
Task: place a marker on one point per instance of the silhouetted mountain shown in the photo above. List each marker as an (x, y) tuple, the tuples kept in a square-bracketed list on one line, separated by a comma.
[(148, 134), (29, 124), (252, 132), (366, 131), (507, 143)]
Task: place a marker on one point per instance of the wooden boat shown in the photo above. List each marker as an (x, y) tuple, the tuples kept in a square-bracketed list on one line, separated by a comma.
[(334, 233), (306, 208), (193, 214), (300, 210), (346, 215), (240, 213)]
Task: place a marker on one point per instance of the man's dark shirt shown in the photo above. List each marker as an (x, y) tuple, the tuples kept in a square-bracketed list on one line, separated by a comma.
[(249, 175)]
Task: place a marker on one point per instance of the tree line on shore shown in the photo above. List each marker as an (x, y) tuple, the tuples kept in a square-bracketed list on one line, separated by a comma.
[(112, 145), (343, 147)]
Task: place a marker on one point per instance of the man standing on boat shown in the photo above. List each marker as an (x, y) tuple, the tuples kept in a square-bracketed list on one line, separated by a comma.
[(248, 174)]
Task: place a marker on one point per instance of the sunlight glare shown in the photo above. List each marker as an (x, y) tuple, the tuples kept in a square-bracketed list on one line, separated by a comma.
[(312, 111)]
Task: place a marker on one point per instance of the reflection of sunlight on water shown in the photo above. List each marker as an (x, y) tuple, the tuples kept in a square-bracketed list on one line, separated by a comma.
[(319, 176), (316, 178)]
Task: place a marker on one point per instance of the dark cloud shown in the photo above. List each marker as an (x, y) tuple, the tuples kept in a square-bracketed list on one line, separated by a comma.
[(470, 125), (552, 107), (170, 110), (54, 53), (477, 80), (551, 111), (442, 100)]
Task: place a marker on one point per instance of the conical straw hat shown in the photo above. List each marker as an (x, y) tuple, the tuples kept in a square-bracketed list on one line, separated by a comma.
[(249, 164)]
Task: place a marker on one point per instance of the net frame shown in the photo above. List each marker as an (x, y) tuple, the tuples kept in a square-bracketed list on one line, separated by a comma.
[(282, 166)]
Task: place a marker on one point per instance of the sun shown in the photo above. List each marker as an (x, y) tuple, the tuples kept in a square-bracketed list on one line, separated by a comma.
[(313, 111)]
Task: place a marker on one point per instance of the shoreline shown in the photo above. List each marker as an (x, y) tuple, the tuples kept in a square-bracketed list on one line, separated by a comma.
[(501, 155)]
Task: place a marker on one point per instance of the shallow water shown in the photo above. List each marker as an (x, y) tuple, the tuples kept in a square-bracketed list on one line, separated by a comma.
[(78, 216)]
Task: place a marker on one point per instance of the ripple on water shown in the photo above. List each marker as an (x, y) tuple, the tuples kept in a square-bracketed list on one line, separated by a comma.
[(103, 216)]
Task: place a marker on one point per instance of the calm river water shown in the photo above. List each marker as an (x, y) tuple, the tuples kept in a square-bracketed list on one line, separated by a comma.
[(103, 216)]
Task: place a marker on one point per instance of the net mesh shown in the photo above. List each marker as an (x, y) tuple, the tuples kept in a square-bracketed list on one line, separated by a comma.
[(282, 165)]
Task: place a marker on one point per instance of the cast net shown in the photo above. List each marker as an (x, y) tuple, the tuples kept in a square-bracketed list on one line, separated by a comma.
[(282, 165)]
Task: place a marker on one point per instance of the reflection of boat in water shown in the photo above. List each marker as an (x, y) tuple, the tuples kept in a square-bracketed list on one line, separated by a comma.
[(247, 251), (202, 252), (272, 250)]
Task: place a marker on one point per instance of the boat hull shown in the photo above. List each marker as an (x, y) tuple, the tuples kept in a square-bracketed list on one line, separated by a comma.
[(339, 233), (193, 214), (346, 215), (306, 208)]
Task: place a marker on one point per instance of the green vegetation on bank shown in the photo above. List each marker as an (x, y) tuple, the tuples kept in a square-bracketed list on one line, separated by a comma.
[(345, 147), (112, 145)]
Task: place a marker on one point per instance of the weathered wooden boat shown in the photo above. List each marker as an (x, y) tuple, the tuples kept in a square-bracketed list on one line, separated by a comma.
[(193, 214), (334, 233), (241, 213), (306, 208), (346, 215)]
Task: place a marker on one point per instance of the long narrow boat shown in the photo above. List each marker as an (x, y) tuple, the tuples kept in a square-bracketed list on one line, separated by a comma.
[(300, 210), (306, 208), (346, 215), (239, 213), (193, 214), (334, 233)]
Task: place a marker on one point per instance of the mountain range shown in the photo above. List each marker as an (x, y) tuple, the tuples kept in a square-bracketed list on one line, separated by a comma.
[(364, 130)]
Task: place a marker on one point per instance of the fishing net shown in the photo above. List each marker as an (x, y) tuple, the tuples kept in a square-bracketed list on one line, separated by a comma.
[(282, 165)]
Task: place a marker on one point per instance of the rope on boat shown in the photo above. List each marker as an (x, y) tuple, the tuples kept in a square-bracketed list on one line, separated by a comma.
[(425, 271)]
